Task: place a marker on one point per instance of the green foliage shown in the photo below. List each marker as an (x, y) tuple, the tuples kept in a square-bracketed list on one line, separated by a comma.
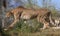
[(29, 26)]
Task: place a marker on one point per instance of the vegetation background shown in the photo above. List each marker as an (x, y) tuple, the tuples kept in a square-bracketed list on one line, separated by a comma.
[(32, 27)]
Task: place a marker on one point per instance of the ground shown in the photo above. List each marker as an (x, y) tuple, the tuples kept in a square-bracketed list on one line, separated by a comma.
[(46, 32)]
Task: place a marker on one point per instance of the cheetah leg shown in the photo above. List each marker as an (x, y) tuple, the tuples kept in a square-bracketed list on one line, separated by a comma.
[(15, 21), (42, 20), (51, 21), (46, 25)]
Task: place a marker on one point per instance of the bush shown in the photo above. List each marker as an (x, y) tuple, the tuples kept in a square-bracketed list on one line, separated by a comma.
[(30, 26)]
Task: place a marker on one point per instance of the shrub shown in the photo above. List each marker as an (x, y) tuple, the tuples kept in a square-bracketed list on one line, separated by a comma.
[(29, 26)]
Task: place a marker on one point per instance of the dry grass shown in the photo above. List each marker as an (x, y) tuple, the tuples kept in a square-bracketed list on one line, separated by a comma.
[(24, 31), (46, 32)]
